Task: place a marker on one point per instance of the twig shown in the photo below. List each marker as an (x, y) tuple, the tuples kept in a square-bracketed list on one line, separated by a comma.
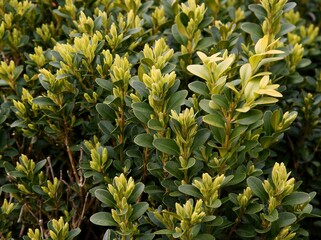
[(20, 214), (83, 209), (71, 160), (22, 230), (50, 167), (42, 230)]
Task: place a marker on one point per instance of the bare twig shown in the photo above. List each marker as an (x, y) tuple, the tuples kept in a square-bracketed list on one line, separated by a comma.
[(50, 167), (83, 209)]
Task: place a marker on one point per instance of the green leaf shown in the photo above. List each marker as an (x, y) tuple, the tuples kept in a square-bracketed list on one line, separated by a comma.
[(190, 163), (145, 236), (73, 233), (204, 43), (9, 188), (105, 84), (216, 204), (288, 6), (200, 138), (246, 231), (164, 232), (149, 62), (199, 88), (61, 14), (106, 127), (19, 123), (253, 208), (296, 198), (103, 219), (182, 21), (38, 190), (273, 216), (173, 168), (137, 192), (105, 111), (142, 111), (205, 22), (40, 165), (218, 101), (215, 120), (199, 71), (238, 132), (105, 197), (285, 28), (155, 124), (43, 101), (178, 36), (258, 10), (139, 87), (167, 146), (138, 210), (257, 187), (253, 29), (17, 71), (249, 117), (304, 62), (144, 140), (177, 234), (190, 190), (204, 104), (233, 198), (286, 219), (176, 100), (209, 218)]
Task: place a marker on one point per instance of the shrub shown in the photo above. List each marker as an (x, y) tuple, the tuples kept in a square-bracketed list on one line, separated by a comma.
[(156, 119)]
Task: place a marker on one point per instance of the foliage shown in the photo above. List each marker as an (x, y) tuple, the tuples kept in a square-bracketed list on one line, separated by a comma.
[(132, 119)]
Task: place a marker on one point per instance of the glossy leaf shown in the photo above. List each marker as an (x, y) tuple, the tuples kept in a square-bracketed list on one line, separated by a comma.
[(43, 101), (137, 192), (296, 198), (176, 100), (249, 117), (253, 29), (215, 120), (138, 210), (199, 88), (142, 111), (105, 197), (190, 190), (286, 219), (144, 140), (173, 168), (166, 145), (103, 219), (257, 187)]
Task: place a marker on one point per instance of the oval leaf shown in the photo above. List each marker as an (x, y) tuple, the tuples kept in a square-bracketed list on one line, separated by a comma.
[(138, 210), (286, 219), (103, 219), (249, 117), (144, 140), (105, 197), (296, 198), (190, 190), (166, 145), (257, 187), (138, 190), (215, 120)]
